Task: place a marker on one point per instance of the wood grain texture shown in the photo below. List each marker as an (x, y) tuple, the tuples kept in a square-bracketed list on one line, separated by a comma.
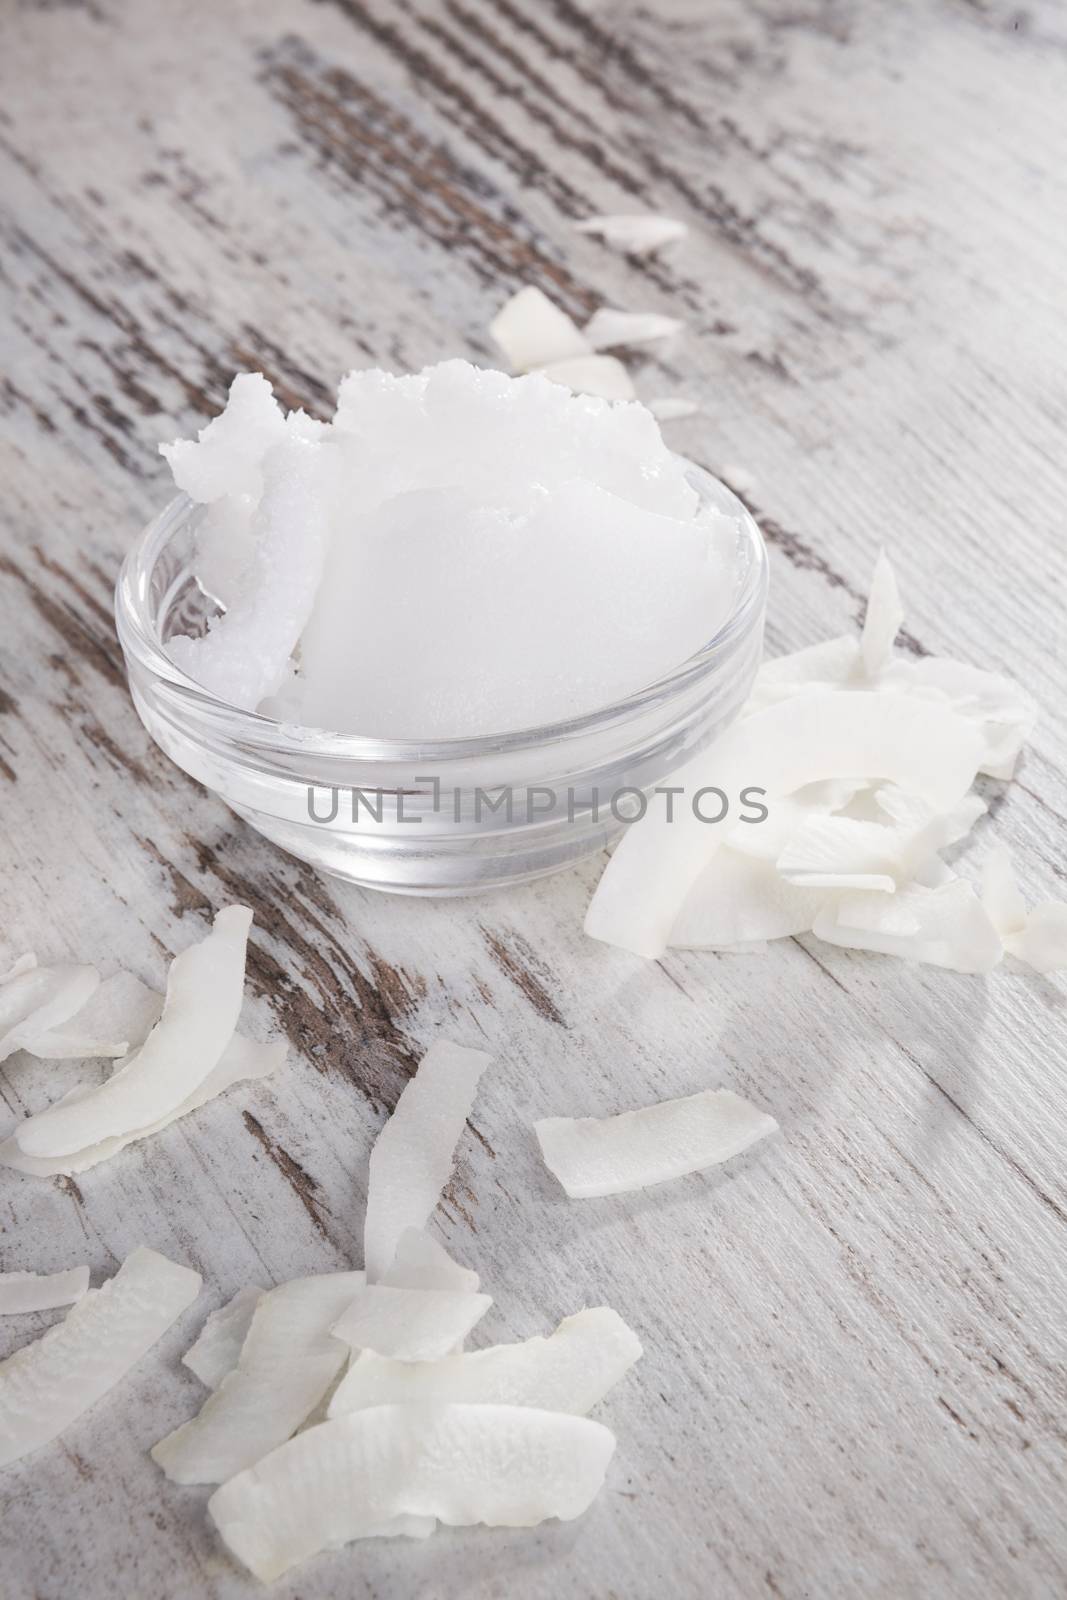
[(854, 1381)]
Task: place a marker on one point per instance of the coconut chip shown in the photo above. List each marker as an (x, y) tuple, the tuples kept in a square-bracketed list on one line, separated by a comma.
[(1037, 937), (49, 1384), (355, 1476), (639, 235), (613, 330), (884, 617), (218, 1349), (409, 1324), (242, 1059), (942, 927), (35, 999), (412, 1158), (36, 1291), (421, 1263), (287, 1363), (599, 375), (594, 1156), (204, 993), (531, 331), (671, 408), (571, 1370), (117, 1018), (918, 744), (17, 967)]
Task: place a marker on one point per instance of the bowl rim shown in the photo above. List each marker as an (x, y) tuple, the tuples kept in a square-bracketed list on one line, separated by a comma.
[(141, 643)]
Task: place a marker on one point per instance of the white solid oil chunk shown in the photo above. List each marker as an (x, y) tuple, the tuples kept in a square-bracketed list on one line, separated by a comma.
[(458, 553)]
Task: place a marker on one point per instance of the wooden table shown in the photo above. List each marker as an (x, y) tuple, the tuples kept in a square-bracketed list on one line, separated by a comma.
[(854, 1379)]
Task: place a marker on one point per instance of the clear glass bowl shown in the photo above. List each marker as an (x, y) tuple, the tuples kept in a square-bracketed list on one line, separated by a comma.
[(430, 818)]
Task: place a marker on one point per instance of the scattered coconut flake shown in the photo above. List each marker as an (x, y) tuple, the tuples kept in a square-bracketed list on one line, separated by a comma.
[(598, 375), (21, 964), (241, 1059), (353, 1477), (571, 1370), (49, 1384), (421, 1263), (409, 1324), (637, 235), (1037, 937), (671, 408), (740, 899), (611, 330), (594, 1156), (117, 1018), (531, 331), (37, 1291), (34, 999), (204, 993), (412, 1157), (218, 1349), (1042, 944), (288, 1361), (942, 927), (916, 743), (842, 852), (884, 617)]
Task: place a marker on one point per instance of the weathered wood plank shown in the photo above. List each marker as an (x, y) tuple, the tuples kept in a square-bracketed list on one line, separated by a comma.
[(854, 1378)]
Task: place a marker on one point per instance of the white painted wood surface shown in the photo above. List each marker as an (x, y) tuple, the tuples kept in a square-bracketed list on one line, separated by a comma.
[(854, 1380)]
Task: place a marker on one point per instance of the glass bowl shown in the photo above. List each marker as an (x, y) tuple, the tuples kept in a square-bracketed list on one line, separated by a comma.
[(444, 816)]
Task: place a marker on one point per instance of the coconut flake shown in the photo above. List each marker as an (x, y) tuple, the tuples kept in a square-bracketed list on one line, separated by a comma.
[(117, 1018), (204, 992), (594, 1156), (942, 927), (531, 331), (841, 852), (612, 330), (34, 999), (740, 899), (353, 1477), (218, 1349), (241, 1059), (1037, 937), (36, 1291), (884, 617), (49, 1384), (599, 375), (918, 744), (412, 1157), (21, 964), (409, 1324), (637, 235), (421, 1263), (671, 408), (287, 1363), (571, 1370)]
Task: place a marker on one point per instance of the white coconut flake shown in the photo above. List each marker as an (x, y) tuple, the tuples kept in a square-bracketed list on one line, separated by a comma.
[(37, 1291), (409, 1324), (412, 1158), (116, 1019), (571, 1371), (35, 999), (49, 1384), (17, 967), (942, 927), (599, 375), (287, 1363), (594, 1156), (613, 330), (918, 744), (842, 852), (421, 1262), (884, 617), (637, 235), (241, 1059), (204, 993), (1037, 937), (531, 331), (354, 1476), (671, 408), (740, 899), (218, 1349)]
